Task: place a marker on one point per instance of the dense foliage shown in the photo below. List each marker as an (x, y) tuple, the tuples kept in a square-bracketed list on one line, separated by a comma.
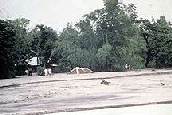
[(22, 45), (158, 38), (7, 43), (43, 42), (103, 40)]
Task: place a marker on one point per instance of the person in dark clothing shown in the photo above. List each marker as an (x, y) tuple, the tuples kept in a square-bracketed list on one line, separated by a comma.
[(29, 70)]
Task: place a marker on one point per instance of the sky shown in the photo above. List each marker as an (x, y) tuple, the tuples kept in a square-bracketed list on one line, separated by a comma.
[(153, 8), (57, 13), (54, 13)]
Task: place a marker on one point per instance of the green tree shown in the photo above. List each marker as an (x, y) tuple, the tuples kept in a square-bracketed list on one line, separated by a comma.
[(158, 38), (103, 57), (106, 39), (22, 44), (7, 50), (88, 41), (43, 42), (116, 25), (87, 37), (110, 4), (79, 58), (65, 46)]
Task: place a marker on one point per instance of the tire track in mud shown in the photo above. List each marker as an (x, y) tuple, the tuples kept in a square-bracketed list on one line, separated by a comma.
[(38, 82), (110, 106), (49, 81), (9, 86), (101, 107), (143, 74)]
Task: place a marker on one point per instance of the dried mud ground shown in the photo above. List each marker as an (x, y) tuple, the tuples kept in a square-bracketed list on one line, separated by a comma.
[(68, 93)]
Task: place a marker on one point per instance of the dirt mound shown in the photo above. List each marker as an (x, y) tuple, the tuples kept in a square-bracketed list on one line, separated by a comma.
[(78, 70)]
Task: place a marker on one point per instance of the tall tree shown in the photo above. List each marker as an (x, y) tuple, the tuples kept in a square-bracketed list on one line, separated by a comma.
[(7, 50), (110, 4), (43, 42), (22, 44), (115, 25), (65, 47), (103, 56), (158, 38)]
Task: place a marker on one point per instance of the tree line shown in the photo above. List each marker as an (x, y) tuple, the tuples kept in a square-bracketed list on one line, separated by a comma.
[(103, 40)]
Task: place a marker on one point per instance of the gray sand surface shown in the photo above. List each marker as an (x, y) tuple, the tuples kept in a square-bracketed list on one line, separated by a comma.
[(68, 93)]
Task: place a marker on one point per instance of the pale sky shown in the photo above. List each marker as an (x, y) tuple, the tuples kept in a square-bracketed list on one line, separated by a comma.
[(153, 8), (56, 13)]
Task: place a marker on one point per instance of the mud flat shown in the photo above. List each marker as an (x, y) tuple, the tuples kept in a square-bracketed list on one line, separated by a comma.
[(162, 109), (71, 93)]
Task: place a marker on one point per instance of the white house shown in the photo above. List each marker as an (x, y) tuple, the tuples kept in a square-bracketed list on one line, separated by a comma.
[(34, 61)]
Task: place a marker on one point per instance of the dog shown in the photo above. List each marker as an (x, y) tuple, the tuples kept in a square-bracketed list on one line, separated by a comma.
[(105, 82)]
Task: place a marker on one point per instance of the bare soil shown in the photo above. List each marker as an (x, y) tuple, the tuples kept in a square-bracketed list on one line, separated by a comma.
[(78, 92)]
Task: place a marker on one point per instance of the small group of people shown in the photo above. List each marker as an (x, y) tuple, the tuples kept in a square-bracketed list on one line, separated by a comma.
[(47, 71), (127, 67), (29, 70)]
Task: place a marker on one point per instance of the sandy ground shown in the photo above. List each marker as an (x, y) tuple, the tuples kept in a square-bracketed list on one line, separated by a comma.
[(70, 93), (136, 110)]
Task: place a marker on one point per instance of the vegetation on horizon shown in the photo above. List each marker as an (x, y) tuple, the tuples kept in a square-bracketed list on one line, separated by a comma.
[(104, 40)]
